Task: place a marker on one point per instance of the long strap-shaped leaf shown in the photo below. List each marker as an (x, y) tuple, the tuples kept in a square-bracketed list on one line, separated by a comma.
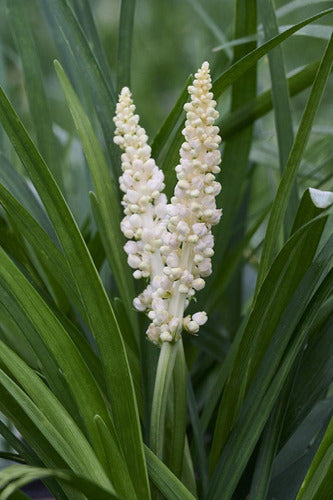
[(83, 386), (318, 482), (284, 276), (125, 43), (85, 16), (106, 194), (64, 423), (237, 69), (231, 123), (168, 484), (281, 103), (16, 476), (102, 320), (101, 90), (33, 83), (237, 149), (19, 188), (274, 370), (77, 450), (227, 78), (296, 153)]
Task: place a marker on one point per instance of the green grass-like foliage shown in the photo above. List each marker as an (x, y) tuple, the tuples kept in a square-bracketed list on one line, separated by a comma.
[(246, 411)]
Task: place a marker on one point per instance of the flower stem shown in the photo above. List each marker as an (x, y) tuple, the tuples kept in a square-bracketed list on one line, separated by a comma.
[(163, 378)]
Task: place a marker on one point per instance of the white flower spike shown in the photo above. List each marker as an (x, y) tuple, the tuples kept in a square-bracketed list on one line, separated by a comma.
[(173, 243)]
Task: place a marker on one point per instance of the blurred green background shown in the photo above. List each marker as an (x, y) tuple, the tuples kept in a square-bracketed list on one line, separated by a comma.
[(171, 39)]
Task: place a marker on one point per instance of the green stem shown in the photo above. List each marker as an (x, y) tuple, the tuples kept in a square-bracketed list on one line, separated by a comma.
[(176, 415), (162, 384)]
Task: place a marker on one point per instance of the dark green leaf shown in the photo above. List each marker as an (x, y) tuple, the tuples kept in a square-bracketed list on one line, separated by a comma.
[(300, 142), (125, 43)]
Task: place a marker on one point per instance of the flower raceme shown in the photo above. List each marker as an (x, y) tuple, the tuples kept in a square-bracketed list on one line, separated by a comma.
[(171, 244)]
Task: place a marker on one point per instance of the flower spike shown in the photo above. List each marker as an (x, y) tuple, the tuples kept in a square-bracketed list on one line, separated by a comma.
[(172, 244)]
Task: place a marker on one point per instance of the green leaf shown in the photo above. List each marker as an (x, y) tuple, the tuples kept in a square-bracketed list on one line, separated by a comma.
[(231, 123), (19, 188), (272, 374), (54, 261), (312, 204), (294, 460), (293, 5), (29, 456), (77, 452), (80, 381), (46, 249), (241, 66), (23, 450), (307, 391), (176, 416), (108, 220), (200, 456), (117, 467), (44, 360), (101, 317), (125, 43), (230, 264), (273, 298), (319, 31), (281, 104), (318, 481), (237, 148), (269, 444), (164, 133), (16, 476), (214, 28), (296, 153), (33, 82), (101, 90), (85, 17), (167, 483)]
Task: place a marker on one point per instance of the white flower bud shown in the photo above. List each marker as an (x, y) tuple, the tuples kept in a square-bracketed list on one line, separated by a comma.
[(200, 318)]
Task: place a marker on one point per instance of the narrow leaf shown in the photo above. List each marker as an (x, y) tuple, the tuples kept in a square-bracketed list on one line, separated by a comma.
[(107, 197), (102, 321), (33, 83), (167, 483), (300, 142), (125, 34)]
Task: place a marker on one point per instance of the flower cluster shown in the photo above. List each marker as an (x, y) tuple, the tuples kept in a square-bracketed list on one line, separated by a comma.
[(171, 244)]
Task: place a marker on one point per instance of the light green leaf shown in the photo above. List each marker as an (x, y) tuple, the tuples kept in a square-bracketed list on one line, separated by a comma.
[(296, 153), (73, 446), (93, 297), (80, 381), (231, 123), (237, 69), (318, 481), (273, 298), (107, 197), (16, 476), (277, 363), (125, 43), (167, 483), (281, 104), (33, 82), (84, 13), (78, 49)]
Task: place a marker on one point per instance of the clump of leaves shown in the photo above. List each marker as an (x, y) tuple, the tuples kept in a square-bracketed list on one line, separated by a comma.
[(246, 410)]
